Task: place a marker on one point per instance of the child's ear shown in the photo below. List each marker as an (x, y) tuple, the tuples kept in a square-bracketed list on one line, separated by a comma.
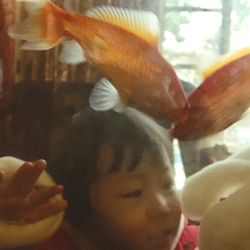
[(19, 234)]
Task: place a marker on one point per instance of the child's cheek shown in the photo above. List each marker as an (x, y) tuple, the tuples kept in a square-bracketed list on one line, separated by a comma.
[(131, 230)]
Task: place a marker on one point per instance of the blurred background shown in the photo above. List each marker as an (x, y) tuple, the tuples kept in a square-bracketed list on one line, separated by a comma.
[(39, 95)]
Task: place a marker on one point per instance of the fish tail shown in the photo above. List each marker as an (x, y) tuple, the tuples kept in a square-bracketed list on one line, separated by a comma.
[(42, 29)]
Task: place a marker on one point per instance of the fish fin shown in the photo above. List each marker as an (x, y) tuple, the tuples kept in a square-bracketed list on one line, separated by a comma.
[(72, 52), (225, 59), (144, 24), (33, 5), (104, 96), (42, 45), (35, 29), (204, 60)]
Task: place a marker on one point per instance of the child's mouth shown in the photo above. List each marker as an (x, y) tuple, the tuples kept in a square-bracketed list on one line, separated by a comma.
[(161, 238)]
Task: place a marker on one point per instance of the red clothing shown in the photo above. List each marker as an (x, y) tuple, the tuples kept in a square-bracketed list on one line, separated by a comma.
[(189, 237), (60, 241), (186, 239)]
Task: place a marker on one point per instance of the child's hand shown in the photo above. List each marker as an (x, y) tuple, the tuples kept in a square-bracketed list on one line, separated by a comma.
[(21, 201)]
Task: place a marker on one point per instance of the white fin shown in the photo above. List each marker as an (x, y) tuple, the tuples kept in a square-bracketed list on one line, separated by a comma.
[(41, 29), (26, 30), (204, 60), (210, 63), (72, 52), (144, 24), (104, 96), (42, 45), (33, 5)]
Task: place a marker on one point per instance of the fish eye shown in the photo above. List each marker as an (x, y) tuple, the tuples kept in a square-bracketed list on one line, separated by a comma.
[(133, 194)]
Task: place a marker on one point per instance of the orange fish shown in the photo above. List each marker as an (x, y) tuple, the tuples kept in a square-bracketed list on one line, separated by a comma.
[(121, 43), (220, 100)]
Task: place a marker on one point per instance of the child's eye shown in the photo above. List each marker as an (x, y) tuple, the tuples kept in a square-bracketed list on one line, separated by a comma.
[(168, 186), (134, 194)]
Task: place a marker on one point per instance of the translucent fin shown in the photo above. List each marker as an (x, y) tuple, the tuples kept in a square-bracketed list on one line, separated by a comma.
[(39, 30), (204, 60), (33, 5), (223, 60), (26, 30), (72, 52), (105, 97), (141, 23), (43, 45)]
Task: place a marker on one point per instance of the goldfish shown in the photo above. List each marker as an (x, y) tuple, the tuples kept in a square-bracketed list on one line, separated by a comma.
[(123, 46), (220, 100)]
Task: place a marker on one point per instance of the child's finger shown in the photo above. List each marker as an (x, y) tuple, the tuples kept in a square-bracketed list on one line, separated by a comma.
[(44, 195), (46, 211), (25, 178)]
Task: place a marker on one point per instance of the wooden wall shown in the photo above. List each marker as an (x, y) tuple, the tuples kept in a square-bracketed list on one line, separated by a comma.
[(6, 52), (34, 98)]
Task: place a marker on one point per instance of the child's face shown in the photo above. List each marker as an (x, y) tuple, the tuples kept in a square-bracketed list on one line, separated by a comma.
[(139, 209)]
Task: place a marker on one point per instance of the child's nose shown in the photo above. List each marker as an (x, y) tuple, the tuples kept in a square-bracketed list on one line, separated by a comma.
[(158, 207)]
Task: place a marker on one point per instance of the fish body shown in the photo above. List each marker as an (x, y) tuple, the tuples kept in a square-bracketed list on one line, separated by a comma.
[(130, 62), (220, 100)]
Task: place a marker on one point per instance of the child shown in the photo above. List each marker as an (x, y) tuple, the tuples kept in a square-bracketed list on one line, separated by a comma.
[(117, 179)]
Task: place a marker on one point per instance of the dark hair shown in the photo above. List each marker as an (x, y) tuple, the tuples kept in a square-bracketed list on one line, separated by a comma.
[(75, 166)]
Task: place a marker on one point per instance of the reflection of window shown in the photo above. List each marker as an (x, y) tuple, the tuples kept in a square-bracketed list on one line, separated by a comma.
[(192, 27), (195, 30)]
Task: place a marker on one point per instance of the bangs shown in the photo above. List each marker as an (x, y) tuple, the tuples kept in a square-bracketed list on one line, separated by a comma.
[(136, 145)]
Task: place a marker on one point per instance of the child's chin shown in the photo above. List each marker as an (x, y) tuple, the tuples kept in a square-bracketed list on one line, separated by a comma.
[(162, 244), (159, 244)]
